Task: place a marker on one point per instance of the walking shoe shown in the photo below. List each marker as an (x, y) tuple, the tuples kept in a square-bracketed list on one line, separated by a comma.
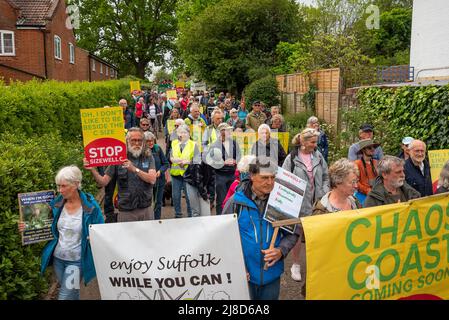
[(296, 272)]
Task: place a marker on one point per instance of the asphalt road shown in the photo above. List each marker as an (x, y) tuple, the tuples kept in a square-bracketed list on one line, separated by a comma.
[(290, 289)]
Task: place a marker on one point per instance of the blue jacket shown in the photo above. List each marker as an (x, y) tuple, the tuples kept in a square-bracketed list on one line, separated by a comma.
[(91, 215), (418, 181), (255, 235)]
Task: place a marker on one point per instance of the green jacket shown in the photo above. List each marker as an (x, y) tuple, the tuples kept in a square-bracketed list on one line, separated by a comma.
[(379, 196)]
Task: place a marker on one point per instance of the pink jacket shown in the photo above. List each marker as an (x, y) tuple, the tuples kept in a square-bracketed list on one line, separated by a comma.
[(231, 190)]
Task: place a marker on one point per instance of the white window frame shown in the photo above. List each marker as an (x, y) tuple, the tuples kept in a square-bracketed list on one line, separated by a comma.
[(101, 68), (57, 44), (2, 43), (112, 73), (93, 65), (71, 53)]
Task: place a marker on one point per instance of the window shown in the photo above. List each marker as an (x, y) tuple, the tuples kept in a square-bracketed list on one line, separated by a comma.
[(93, 65), (112, 73), (72, 53), (58, 54), (7, 47), (107, 71), (101, 68)]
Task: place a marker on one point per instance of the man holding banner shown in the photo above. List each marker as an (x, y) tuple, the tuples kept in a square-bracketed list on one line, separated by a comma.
[(256, 233), (135, 179)]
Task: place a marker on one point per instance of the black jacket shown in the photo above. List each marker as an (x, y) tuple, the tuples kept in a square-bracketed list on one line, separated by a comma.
[(418, 181), (199, 176)]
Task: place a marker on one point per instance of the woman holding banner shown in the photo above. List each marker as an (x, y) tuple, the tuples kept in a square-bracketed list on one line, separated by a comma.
[(70, 251), (443, 182), (307, 163)]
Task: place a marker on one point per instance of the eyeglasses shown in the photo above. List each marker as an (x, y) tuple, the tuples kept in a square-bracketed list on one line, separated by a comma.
[(144, 124)]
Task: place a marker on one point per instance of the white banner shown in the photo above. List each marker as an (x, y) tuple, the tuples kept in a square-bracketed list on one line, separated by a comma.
[(285, 200), (177, 259)]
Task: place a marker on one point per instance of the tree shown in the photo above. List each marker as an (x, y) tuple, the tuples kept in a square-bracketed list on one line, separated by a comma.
[(128, 33), (226, 40)]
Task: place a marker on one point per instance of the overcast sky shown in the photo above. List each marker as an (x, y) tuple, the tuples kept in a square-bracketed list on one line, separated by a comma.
[(306, 1)]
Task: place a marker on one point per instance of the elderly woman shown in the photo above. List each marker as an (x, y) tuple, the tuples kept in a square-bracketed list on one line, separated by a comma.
[(267, 146), (234, 121), (309, 164), (443, 181), (277, 123), (176, 117), (322, 144), (161, 164), (70, 251)]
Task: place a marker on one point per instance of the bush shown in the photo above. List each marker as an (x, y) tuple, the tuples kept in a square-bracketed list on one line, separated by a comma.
[(265, 90), (19, 173), (41, 107)]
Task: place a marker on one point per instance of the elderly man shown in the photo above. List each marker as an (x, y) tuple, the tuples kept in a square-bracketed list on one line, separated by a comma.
[(194, 117), (225, 154), (249, 203), (135, 179), (417, 169), (210, 134), (256, 117), (366, 132), (267, 146), (390, 186)]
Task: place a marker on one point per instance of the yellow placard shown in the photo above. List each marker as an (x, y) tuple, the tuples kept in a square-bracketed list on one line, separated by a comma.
[(104, 141), (397, 251), (246, 140), (134, 86), (180, 84), (283, 138), (196, 134), (437, 159), (170, 126), (171, 95)]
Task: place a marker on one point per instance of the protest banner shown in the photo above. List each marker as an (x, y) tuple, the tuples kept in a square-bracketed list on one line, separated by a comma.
[(245, 140), (196, 135), (283, 138), (180, 84), (103, 136), (172, 95), (397, 251), (174, 259), (134, 86), (285, 200), (437, 159), (35, 212), (170, 126)]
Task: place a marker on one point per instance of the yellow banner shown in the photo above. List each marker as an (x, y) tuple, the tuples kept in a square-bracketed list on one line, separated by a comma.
[(134, 86), (397, 251), (246, 140), (170, 126), (437, 159), (196, 134), (104, 141), (172, 95), (180, 84)]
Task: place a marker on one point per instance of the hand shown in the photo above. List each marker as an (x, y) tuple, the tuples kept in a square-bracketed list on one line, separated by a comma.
[(158, 174), (247, 276), (272, 256), (86, 163), (129, 166), (21, 226)]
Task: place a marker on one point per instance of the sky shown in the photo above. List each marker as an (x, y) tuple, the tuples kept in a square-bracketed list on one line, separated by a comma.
[(306, 1)]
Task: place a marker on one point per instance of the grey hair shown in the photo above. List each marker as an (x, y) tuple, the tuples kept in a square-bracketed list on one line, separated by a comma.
[(385, 165), (194, 105), (135, 129), (312, 119), (216, 111), (262, 164), (444, 176), (414, 142), (339, 170), (149, 136), (183, 127), (277, 116), (70, 174), (243, 165), (262, 127)]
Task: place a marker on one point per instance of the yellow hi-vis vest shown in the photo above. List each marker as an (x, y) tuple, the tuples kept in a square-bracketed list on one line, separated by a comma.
[(186, 154), (213, 135)]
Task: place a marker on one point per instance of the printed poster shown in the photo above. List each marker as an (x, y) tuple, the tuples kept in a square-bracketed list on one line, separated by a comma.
[(134, 87), (103, 136), (286, 198), (173, 259), (437, 159), (36, 213)]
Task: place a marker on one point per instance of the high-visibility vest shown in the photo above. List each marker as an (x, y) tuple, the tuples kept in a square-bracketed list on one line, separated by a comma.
[(213, 135), (186, 154)]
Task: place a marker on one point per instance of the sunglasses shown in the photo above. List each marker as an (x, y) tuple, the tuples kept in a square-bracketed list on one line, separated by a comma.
[(144, 124)]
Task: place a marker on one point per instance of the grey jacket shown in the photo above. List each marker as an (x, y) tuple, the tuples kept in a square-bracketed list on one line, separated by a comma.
[(321, 179)]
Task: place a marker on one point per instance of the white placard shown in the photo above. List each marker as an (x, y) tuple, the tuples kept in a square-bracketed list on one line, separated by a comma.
[(286, 198), (177, 259)]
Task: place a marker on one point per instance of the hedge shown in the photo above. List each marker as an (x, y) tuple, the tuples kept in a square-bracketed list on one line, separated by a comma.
[(265, 90), (37, 107), (419, 112)]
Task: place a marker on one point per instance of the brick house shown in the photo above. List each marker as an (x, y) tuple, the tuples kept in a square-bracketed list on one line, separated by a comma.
[(35, 42)]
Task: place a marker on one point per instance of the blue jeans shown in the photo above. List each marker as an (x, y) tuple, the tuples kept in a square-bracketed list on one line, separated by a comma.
[(158, 194), (268, 291), (178, 184), (69, 275)]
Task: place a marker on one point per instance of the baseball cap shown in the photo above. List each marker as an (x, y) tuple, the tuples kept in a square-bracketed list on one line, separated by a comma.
[(366, 127), (407, 140), (233, 110), (256, 102)]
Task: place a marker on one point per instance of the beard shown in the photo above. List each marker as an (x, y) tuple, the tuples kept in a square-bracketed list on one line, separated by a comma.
[(135, 151), (398, 183)]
